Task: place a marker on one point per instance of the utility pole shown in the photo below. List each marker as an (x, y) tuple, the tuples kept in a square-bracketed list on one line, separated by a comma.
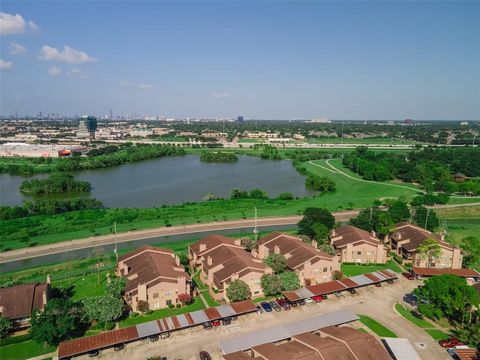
[(255, 230), (116, 249), (426, 218)]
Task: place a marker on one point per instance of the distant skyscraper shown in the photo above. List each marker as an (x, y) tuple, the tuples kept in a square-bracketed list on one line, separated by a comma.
[(240, 119), (87, 127), (82, 131)]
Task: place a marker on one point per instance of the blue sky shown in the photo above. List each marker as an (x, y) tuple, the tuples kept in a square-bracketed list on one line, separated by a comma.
[(341, 60)]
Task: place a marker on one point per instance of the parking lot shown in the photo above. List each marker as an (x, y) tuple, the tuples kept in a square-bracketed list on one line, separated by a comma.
[(376, 302)]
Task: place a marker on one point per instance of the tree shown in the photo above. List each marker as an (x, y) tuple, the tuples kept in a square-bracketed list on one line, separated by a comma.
[(289, 280), (104, 308), (447, 296), (238, 194), (116, 287), (238, 290), (185, 298), (327, 248), (271, 284), (247, 243), (471, 248), (321, 233), (312, 216), (425, 218), (61, 319), (383, 223), (469, 335), (5, 326), (142, 306), (277, 262), (429, 250), (285, 196), (258, 194), (337, 275), (398, 211)]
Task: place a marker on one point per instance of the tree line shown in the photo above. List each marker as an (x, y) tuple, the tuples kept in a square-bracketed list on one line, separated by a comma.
[(54, 184)]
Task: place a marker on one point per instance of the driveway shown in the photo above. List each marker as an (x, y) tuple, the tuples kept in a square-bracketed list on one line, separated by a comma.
[(378, 303)]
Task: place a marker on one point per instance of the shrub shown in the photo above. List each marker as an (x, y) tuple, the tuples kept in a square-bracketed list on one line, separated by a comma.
[(178, 306), (134, 314), (109, 326), (171, 306), (148, 312)]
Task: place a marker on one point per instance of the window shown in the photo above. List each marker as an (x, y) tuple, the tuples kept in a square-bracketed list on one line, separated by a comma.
[(325, 269), (359, 253), (155, 295), (169, 302), (256, 292), (168, 293)]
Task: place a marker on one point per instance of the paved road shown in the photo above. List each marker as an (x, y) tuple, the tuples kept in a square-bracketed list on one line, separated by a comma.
[(375, 302), (65, 246), (90, 242)]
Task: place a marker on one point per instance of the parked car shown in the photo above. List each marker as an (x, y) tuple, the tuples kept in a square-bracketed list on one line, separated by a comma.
[(207, 325), (338, 294), (216, 323), (283, 304), (165, 335), (205, 355), (317, 298), (408, 276), (275, 306), (324, 297), (352, 291), (417, 314), (119, 347), (153, 338), (227, 321), (450, 343), (293, 304), (301, 302), (259, 309), (378, 284), (389, 281), (308, 300), (266, 306), (234, 317), (93, 353), (410, 299)]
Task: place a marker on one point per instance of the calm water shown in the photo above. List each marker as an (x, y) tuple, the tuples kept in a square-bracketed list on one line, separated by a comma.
[(174, 180)]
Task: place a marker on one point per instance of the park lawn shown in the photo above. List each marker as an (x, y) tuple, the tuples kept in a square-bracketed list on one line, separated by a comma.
[(410, 317), (376, 327), (353, 270), (208, 298), (24, 350), (162, 313), (85, 286), (437, 335)]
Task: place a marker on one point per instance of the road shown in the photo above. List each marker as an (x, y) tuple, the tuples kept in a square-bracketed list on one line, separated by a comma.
[(90, 242), (378, 303)]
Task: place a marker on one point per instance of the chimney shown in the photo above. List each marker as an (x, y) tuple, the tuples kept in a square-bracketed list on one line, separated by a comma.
[(209, 260), (373, 233), (49, 279), (177, 260), (238, 242), (202, 247), (314, 244), (44, 299), (276, 249)]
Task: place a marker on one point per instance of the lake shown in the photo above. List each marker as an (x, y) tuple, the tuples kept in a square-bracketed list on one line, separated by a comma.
[(175, 180)]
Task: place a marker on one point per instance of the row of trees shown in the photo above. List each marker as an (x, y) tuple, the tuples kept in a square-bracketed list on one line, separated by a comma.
[(54, 184), (433, 168), (218, 157)]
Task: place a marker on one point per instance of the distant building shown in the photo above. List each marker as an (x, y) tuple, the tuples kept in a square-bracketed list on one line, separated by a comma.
[(91, 126), (406, 238), (240, 119), (154, 275), (356, 245), (321, 120), (464, 123), (82, 132), (18, 302)]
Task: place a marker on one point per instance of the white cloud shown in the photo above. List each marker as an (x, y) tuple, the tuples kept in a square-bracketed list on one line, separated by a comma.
[(79, 74), (220, 95), (15, 24), (16, 49), (128, 83), (54, 71), (68, 55), (5, 65)]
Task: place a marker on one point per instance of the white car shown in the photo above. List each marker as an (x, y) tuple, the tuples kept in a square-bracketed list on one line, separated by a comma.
[(308, 300)]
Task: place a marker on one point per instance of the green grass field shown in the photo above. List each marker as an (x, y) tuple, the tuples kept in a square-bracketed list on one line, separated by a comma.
[(24, 350), (376, 327), (353, 270), (437, 334), (162, 313), (372, 140), (410, 317), (208, 298)]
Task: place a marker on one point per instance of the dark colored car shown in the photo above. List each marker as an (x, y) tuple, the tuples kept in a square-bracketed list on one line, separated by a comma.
[(259, 309), (207, 325), (153, 338), (410, 299), (417, 314), (389, 281), (119, 347), (284, 304), (266, 306), (293, 304), (301, 302), (205, 355), (352, 291), (408, 276), (227, 321), (216, 323), (93, 353), (324, 297), (378, 284), (275, 306), (449, 343)]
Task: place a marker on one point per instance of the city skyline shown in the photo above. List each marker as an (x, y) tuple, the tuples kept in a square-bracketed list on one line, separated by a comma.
[(358, 61)]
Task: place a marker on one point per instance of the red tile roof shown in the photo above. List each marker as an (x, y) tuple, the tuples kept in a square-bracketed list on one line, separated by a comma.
[(433, 271), (20, 300), (212, 314), (243, 307), (349, 234), (348, 282), (467, 354), (416, 235)]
